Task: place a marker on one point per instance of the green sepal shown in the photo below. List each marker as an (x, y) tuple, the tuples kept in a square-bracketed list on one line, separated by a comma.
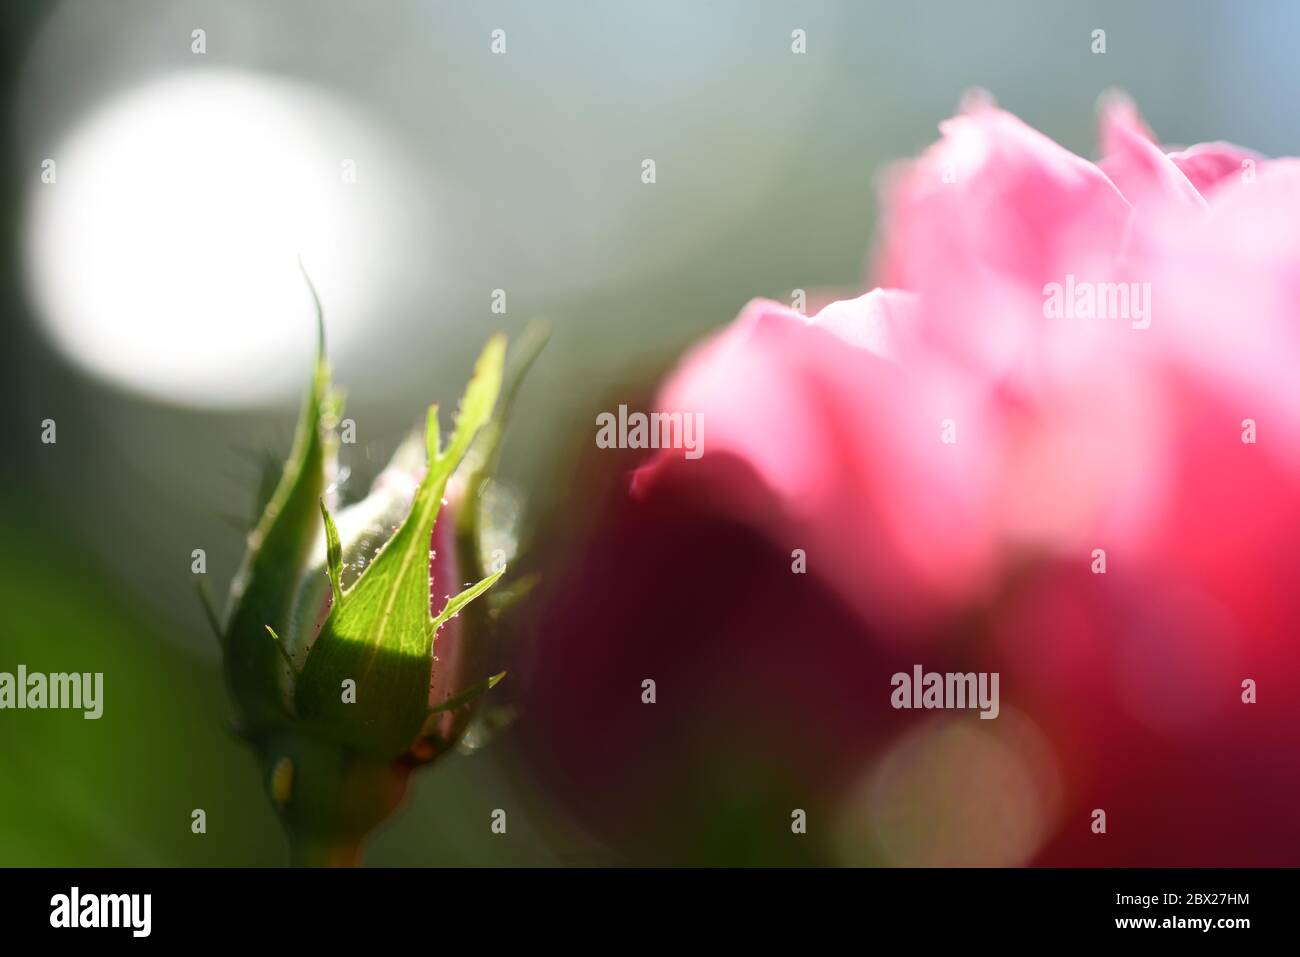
[(380, 634), (279, 548), (458, 601), (481, 463), (470, 694), (333, 556)]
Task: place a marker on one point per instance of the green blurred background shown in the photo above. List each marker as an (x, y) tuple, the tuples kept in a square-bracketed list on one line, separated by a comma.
[(520, 172)]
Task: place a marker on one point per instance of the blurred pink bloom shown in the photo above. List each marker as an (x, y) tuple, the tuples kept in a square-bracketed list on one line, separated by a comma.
[(949, 453), (1066, 434)]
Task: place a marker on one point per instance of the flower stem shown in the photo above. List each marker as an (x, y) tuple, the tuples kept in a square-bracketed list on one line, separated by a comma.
[(310, 851), (328, 798)]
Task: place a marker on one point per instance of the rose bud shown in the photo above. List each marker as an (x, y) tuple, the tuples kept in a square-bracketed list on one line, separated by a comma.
[(346, 658)]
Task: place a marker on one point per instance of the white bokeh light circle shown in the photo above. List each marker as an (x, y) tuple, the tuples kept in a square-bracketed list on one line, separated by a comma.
[(164, 256)]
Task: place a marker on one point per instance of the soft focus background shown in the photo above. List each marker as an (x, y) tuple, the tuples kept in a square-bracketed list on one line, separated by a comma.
[(152, 307)]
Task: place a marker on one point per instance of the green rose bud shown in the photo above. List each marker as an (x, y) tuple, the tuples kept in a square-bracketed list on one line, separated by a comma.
[(344, 655)]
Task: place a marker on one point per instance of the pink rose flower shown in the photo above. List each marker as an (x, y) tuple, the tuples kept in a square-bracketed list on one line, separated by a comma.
[(1069, 367)]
